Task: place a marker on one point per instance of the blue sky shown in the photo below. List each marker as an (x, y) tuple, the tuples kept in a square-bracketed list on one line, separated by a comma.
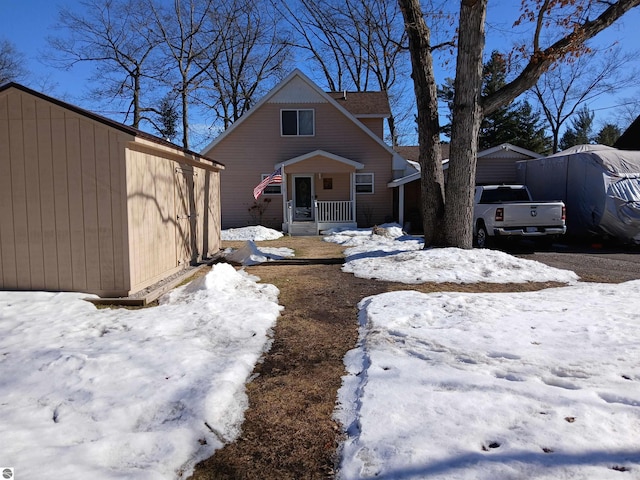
[(27, 23)]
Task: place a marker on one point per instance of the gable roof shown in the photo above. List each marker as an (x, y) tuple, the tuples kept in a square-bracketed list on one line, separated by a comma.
[(509, 148), (274, 93), (630, 138), (364, 104), (321, 153), (411, 152), (108, 122)]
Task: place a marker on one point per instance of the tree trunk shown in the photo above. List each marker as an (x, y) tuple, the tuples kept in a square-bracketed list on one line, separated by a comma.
[(184, 97), (467, 116), (432, 176), (136, 100)]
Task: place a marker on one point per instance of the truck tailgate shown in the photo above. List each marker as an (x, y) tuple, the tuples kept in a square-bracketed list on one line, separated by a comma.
[(533, 214)]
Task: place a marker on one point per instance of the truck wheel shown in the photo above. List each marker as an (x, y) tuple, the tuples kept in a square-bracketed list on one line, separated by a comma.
[(482, 237)]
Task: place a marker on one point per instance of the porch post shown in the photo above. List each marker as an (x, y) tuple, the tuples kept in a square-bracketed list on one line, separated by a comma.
[(283, 191), (401, 205), (353, 197)]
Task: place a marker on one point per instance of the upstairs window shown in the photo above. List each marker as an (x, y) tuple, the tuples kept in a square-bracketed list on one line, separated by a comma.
[(297, 122)]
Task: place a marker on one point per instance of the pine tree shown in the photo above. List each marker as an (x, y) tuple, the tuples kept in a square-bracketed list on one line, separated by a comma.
[(608, 135), (517, 123), (167, 123), (579, 133)]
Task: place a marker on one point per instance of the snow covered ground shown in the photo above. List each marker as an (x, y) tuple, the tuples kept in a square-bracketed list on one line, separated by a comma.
[(446, 385), (542, 385), (93, 393), (256, 233), (397, 257), (251, 254)]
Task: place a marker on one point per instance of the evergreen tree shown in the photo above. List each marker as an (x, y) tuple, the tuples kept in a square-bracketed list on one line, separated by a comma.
[(608, 134), (517, 123), (579, 133), (529, 131), (167, 119)]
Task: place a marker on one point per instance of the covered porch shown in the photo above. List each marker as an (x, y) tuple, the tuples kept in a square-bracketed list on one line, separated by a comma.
[(319, 193)]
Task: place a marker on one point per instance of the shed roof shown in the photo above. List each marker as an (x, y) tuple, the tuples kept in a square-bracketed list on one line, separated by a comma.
[(111, 123), (364, 104)]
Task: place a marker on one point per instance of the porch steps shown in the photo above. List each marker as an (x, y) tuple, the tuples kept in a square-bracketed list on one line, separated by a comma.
[(303, 229)]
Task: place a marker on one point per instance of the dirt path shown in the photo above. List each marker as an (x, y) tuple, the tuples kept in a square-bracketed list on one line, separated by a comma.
[(288, 431)]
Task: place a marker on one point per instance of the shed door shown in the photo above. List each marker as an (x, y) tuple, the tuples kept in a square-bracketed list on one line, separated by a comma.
[(186, 252)]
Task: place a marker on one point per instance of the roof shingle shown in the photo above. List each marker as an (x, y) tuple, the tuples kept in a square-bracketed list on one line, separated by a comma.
[(363, 103)]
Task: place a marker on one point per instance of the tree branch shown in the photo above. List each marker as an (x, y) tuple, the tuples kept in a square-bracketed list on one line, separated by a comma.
[(540, 61)]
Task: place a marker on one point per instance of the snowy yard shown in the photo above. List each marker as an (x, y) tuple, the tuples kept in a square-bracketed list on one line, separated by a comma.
[(542, 385), (110, 394), (445, 385)]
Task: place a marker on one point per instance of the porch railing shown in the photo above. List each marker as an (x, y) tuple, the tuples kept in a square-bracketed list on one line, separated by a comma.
[(334, 212)]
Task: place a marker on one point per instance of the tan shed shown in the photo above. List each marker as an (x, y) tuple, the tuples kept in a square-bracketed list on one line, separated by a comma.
[(90, 205)]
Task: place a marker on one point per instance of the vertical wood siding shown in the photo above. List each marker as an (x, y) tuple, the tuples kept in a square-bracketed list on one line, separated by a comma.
[(152, 218), (256, 145), (81, 211), (207, 187), (61, 222), (173, 216)]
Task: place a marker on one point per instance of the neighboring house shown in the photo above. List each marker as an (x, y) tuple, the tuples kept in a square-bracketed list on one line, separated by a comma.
[(334, 162), (496, 165), (90, 205)]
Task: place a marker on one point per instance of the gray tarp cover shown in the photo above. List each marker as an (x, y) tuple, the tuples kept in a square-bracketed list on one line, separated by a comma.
[(599, 185)]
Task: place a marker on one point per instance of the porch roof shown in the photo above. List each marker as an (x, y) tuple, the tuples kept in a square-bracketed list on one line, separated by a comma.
[(324, 154)]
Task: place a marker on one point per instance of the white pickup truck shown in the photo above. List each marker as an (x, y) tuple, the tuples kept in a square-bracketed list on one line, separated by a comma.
[(507, 210)]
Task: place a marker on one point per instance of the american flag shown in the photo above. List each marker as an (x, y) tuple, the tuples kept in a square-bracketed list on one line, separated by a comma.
[(275, 177)]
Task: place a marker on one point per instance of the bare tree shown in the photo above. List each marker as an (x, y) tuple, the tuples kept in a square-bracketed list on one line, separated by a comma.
[(627, 111), (114, 35), (426, 93), (192, 43), (254, 55), (12, 62), (562, 89), (567, 25), (356, 44)]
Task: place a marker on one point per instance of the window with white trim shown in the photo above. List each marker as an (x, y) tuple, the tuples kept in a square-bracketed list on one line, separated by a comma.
[(272, 188), (364, 182), (298, 123)]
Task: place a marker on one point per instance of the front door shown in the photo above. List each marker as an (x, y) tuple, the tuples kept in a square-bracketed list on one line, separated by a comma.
[(303, 198)]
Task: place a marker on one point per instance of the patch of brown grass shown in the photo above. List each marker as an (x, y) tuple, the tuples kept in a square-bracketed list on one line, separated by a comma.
[(288, 432)]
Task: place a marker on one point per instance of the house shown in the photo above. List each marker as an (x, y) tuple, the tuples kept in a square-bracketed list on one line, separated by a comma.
[(496, 165), (90, 205), (329, 148)]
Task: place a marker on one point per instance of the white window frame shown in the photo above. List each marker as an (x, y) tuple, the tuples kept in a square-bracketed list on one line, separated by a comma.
[(271, 185), (298, 110), (361, 183)]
